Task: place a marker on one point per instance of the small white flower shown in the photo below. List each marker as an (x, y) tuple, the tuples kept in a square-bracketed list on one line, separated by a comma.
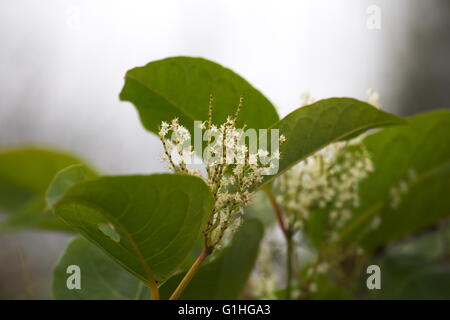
[(163, 129), (263, 153), (313, 287), (373, 97), (305, 99), (376, 222), (202, 125), (322, 267), (276, 155)]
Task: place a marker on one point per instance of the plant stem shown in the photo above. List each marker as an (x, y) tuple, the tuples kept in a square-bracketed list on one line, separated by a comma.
[(289, 240), (190, 274), (154, 292), (289, 262), (278, 211)]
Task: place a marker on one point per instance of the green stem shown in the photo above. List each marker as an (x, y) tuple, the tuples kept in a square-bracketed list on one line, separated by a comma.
[(154, 292), (288, 236), (190, 274), (289, 265)]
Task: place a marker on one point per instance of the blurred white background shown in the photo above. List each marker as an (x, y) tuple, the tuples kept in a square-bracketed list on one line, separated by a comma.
[(62, 65), (63, 62)]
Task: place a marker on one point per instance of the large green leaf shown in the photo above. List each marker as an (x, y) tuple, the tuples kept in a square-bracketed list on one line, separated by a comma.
[(422, 148), (179, 87), (148, 224), (224, 277), (24, 177), (101, 277), (310, 128)]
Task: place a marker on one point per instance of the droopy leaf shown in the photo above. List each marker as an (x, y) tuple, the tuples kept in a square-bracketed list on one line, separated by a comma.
[(179, 87), (24, 177), (310, 128), (101, 277), (148, 224), (225, 277)]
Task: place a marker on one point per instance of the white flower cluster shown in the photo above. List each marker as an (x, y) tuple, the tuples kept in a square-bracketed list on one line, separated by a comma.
[(232, 169), (401, 188), (329, 179), (178, 148)]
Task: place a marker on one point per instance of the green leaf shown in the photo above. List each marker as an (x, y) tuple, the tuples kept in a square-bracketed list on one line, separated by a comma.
[(101, 277), (310, 128), (24, 177), (421, 148), (179, 87), (412, 280), (317, 227), (156, 219), (414, 269), (225, 277), (65, 179), (430, 246)]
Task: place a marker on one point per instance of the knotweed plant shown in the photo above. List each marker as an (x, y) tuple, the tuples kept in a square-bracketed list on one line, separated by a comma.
[(326, 197)]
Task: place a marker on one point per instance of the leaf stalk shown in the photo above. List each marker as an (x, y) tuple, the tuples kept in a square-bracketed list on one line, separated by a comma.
[(190, 274)]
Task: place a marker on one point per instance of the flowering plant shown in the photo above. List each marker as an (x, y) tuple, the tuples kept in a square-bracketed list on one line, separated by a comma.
[(254, 206)]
